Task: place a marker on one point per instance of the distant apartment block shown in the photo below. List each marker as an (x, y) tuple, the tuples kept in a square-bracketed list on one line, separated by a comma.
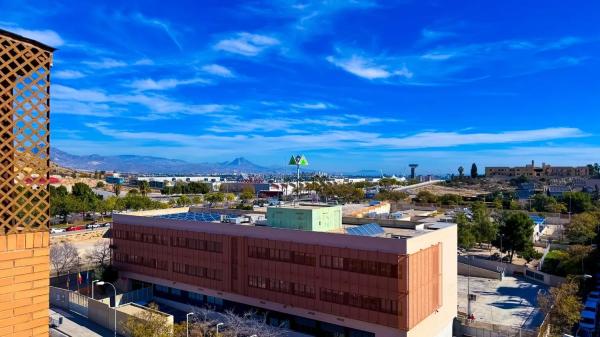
[(24, 176), (530, 170), (302, 267)]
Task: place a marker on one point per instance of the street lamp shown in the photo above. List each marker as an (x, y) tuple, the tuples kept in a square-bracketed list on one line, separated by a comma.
[(187, 323), (101, 283), (218, 325), (94, 281)]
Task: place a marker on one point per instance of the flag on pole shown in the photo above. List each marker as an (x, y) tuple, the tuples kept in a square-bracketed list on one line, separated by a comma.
[(87, 277), (68, 285), (79, 279)]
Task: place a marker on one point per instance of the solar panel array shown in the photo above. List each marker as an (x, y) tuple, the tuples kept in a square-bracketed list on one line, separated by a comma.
[(192, 216), (370, 229)]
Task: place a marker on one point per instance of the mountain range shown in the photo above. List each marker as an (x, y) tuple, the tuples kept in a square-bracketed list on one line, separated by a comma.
[(149, 164)]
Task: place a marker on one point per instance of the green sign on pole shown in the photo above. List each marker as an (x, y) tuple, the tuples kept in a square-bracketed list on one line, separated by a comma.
[(299, 160)]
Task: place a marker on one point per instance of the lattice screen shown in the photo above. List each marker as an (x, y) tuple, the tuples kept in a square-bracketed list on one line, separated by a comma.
[(24, 131)]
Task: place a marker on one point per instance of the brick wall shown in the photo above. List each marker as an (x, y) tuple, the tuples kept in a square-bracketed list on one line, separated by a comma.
[(24, 281)]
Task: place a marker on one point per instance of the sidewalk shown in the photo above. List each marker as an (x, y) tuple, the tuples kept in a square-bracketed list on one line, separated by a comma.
[(76, 326)]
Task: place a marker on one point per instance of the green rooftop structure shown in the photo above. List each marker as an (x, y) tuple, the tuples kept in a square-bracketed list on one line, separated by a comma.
[(307, 217)]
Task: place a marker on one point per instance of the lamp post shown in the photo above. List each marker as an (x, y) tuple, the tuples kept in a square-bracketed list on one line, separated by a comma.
[(101, 283), (187, 324), (94, 281), (218, 325)]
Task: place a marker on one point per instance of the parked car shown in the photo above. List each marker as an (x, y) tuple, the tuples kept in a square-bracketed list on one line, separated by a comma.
[(108, 224), (594, 295), (591, 305), (92, 226), (75, 228), (56, 230), (587, 321)]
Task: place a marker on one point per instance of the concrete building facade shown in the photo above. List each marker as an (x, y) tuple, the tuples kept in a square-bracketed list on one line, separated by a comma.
[(24, 176), (530, 170), (321, 283)]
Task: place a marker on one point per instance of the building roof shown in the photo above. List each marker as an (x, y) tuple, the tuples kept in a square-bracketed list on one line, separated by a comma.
[(26, 40)]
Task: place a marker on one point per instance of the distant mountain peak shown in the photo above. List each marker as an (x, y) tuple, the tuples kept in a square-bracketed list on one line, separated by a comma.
[(152, 165)]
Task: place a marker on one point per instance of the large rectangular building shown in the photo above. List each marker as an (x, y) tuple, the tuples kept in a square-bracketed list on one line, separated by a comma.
[(530, 170), (395, 283)]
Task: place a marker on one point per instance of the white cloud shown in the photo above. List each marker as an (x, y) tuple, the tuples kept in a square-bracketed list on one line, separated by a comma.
[(159, 107), (313, 106), (246, 44), (48, 37), (368, 68), (163, 84), (144, 62), (218, 70), (105, 63), (68, 74), (429, 35)]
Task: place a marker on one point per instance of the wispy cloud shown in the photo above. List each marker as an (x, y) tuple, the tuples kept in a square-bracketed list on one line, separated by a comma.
[(68, 74), (163, 84), (158, 107), (218, 70), (246, 44), (45, 36), (430, 35), (105, 63), (458, 63), (313, 105), (161, 24), (369, 68)]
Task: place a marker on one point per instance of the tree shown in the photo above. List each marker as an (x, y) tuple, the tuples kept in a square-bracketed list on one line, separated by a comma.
[(117, 189), (229, 196), (152, 322), (562, 306), (144, 187), (63, 205), (215, 197), (577, 202), (450, 199), (64, 257), (99, 255), (247, 193), (100, 184), (427, 197), (196, 200), (461, 172), (466, 237), (516, 230), (583, 227), (183, 200), (474, 173), (485, 229)]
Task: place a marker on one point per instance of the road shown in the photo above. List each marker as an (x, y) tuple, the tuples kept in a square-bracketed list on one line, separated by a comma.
[(405, 188), (77, 232)]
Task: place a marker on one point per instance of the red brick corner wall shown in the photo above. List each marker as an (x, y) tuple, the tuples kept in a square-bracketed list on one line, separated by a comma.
[(24, 284)]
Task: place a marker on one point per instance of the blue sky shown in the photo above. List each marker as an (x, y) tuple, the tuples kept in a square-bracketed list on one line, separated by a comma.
[(351, 84)]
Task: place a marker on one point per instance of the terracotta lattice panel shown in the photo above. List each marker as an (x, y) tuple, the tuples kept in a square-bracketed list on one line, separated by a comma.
[(25, 136)]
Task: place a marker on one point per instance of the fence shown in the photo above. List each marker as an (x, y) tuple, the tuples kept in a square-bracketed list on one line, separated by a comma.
[(462, 327), (69, 300)]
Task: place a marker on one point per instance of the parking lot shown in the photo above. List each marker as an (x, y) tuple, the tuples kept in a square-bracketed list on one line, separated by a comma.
[(510, 302)]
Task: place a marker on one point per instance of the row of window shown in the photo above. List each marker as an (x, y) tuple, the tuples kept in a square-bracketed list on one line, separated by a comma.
[(142, 261), (360, 266), (359, 301), (198, 271), (142, 237), (197, 244), (282, 255), (281, 286)]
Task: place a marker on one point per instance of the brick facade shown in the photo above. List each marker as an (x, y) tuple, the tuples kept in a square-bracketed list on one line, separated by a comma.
[(24, 277)]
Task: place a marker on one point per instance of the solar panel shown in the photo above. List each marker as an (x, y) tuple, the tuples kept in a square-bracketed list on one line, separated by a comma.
[(192, 216), (371, 229)]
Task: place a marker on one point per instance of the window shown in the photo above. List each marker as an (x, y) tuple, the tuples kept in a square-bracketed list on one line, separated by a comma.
[(281, 286), (359, 301), (281, 255), (360, 266)]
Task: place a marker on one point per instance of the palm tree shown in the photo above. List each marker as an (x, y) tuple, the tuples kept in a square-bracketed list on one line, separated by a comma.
[(144, 187), (461, 171), (117, 189)]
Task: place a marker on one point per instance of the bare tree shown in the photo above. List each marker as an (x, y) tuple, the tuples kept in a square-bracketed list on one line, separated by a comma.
[(64, 257), (99, 255), (250, 323)]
